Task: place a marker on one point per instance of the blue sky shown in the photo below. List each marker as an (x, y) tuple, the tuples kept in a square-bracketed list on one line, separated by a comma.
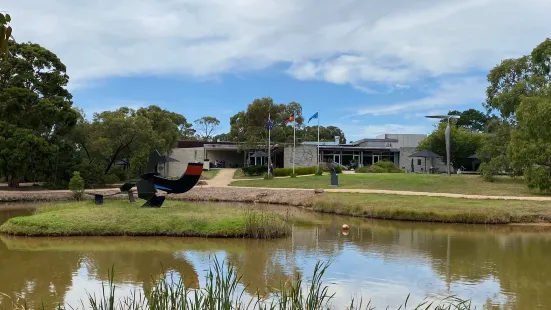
[(370, 67)]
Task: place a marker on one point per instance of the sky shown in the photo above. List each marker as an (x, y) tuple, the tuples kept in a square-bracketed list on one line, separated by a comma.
[(369, 67)]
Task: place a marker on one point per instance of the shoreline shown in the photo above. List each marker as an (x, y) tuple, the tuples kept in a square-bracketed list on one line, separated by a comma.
[(373, 206)]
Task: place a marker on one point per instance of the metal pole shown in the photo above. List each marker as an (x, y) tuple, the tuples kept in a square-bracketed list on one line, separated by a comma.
[(318, 154), (448, 134), (294, 142), (269, 144)]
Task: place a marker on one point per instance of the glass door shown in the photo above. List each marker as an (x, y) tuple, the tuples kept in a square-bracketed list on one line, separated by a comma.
[(337, 158), (376, 158)]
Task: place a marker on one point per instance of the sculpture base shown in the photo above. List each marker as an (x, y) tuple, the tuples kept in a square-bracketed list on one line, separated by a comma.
[(334, 179)]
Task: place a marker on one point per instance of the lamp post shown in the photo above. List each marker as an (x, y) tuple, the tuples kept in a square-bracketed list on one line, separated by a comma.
[(447, 135)]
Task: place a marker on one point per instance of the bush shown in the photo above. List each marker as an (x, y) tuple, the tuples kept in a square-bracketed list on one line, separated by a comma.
[(268, 176), (110, 179), (76, 185), (319, 171), (383, 166), (254, 170), (538, 177), (325, 168), (285, 172)]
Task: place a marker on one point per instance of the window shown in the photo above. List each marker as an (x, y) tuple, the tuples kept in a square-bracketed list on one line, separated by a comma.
[(419, 162)]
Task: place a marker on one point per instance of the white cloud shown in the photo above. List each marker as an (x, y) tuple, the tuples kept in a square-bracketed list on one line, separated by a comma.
[(450, 93), (349, 41)]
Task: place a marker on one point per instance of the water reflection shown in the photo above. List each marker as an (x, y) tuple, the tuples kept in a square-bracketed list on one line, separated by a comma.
[(384, 261)]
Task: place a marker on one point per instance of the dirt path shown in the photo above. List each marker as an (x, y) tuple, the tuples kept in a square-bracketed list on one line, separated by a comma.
[(222, 179), (409, 193)]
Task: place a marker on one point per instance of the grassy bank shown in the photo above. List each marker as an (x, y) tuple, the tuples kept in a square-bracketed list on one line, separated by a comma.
[(121, 218), (438, 183), (222, 291), (432, 209)]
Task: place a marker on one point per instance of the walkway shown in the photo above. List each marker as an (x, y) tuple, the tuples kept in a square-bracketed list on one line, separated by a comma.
[(225, 177)]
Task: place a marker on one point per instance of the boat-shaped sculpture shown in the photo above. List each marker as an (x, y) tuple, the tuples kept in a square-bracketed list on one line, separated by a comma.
[(152, 181)]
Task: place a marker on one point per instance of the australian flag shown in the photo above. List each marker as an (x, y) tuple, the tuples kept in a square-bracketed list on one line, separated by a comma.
[(270, 124)]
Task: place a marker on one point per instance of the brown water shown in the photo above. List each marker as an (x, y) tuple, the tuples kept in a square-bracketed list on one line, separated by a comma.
[(495, 266)]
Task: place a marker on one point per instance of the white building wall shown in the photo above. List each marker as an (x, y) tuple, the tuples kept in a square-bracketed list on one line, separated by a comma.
[(184, 156)]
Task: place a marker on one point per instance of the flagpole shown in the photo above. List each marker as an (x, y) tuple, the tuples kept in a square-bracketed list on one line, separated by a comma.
[(294, 140), (269, 143), (318, 139)]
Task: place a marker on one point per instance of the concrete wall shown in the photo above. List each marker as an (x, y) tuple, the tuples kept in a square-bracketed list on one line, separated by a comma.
[(305, 156)]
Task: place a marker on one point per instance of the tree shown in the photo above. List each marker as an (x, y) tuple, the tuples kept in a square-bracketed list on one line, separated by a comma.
[(470, 119), (464, 143), (36, 113), (221, 137), (206, 126), (5, 34), (327, 134), (530, 147), (513, 83)]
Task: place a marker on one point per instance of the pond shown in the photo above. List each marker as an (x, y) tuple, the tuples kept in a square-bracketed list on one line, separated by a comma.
[(494, 266)]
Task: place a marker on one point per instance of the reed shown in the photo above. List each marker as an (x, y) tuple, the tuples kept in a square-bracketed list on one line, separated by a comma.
[(222, 291), (261, 225)]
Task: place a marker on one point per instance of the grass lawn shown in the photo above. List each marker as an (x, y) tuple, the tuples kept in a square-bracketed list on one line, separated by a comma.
[(433, 209), (440, 183), (209, 174), (121, 218)]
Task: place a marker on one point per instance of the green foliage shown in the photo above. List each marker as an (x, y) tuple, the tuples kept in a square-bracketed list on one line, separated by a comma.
[(319, 171), (464, 143), (5, 35), (206, 126), (36, 112), (538, 177), (470, 119), (530, 146), (519, 87), (285, 172), (383, 166), (255, 170), (76, 185), (268, 176)]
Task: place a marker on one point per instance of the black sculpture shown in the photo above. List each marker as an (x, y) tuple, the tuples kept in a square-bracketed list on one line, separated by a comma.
[(151, 181)]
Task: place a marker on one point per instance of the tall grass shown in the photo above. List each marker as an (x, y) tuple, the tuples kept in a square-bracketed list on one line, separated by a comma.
[(223, 292), (261, 225)]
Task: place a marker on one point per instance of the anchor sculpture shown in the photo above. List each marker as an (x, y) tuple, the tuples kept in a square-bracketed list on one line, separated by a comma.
[(151, 181)]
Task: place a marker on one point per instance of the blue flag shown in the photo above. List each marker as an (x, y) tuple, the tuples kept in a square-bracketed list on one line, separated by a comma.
[(269, 124), (312, 117)]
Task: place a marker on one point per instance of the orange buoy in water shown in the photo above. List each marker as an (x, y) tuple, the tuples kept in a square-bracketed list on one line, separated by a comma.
[(345, 227)]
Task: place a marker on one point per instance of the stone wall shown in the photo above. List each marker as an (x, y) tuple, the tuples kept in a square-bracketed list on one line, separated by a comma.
[(305, 156)]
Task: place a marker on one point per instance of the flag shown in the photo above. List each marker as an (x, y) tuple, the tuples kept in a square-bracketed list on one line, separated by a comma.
[(313, 116), (291, 118), (270, 124)]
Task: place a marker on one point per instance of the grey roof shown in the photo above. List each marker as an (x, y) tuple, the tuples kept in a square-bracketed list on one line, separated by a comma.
[(425, 154)]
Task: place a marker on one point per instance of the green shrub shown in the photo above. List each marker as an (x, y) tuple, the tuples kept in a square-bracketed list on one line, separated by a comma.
[(254, 170), (293, 175), (319, 171), (285, 172), (383, 166), (76, 185), (538, 177), (325, 168), (268, 176), (110, 179)]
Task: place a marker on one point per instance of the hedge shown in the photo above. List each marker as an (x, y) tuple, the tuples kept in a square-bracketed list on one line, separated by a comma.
[(285, 172), (383, 166), (255, 170)]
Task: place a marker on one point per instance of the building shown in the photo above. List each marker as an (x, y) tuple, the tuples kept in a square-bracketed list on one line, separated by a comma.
[(393, 147)]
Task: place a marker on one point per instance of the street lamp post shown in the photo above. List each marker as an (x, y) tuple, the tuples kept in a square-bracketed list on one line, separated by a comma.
[(447, 135)]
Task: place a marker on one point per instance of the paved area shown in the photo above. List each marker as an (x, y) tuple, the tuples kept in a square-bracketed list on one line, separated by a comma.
[(223, 178)]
